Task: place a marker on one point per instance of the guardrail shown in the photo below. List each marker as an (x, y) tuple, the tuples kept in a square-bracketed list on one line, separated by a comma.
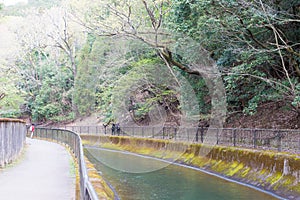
[(73, 140), (12, 139), (269, 139)]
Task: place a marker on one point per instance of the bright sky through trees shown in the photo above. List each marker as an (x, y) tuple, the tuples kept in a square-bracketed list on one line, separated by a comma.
[(12, 2)]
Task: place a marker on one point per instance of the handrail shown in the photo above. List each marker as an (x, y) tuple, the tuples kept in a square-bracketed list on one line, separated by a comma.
[(73, 140)]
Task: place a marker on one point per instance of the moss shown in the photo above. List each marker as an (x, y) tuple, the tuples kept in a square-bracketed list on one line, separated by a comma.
[(245, 172), (235, 168), (274, 178), (102, 189), (263, 171)]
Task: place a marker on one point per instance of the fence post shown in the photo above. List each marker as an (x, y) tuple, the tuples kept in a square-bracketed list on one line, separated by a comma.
[(152, 131), (175, 132), (57, 135), (197, 134), (234, 137), (254, 138), (279, 135), (202, 134), (163, 132), (217, 135)]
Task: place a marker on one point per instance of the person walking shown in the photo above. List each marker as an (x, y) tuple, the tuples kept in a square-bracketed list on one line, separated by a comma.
[(31, 128), (113, 128), (118, 128)]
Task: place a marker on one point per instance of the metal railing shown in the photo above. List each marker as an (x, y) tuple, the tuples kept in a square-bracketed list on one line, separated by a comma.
[(12, 139), (73, 140), (269, 139)]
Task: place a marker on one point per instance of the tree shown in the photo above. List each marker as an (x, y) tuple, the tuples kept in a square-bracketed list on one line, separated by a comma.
[(46, 64), (145, 21), (140, 20), (255, 44), (11, 98)]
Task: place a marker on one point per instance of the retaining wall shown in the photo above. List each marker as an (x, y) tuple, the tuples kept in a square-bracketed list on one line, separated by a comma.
[(273, 171), (12, 139)]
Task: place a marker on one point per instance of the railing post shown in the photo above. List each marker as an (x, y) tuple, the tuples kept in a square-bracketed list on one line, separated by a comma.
[(163, 132), (197, 134), (254, 138), (152, 131), (234, 137), (57, 135), (279, 136), (202, 134), (175, 132), (217, 135)]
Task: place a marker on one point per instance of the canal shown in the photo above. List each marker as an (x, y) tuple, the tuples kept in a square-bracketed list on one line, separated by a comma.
[(142, 178)]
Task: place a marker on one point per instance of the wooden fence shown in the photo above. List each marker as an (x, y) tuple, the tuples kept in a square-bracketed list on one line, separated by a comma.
[(12, 139)]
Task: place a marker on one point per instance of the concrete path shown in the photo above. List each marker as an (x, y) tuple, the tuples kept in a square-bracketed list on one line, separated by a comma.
[(42, 173)]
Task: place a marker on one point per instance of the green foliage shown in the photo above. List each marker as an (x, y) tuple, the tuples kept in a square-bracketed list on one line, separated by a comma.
[(296, 100), (85, 82), (53, 98), (13, 99), (236, 34), (47, 89), (102, 62), (142, 92), (239, 35)]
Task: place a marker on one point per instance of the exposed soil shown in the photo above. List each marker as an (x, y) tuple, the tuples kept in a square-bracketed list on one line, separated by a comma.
[(269, 115)]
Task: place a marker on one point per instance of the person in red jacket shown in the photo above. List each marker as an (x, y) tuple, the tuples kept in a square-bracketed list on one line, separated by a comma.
[(31, 130)]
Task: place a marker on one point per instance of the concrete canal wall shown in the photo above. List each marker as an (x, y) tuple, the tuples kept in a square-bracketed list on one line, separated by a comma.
[(12, 139), (272, 171)]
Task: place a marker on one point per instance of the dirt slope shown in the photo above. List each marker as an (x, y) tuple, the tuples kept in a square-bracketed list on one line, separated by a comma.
[(269, 115)]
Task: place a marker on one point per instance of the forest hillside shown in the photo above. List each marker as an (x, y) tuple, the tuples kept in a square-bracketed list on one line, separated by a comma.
[(232, 63)]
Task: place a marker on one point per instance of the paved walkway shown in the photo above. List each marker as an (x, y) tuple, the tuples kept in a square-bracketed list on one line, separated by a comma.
[(43, 173)]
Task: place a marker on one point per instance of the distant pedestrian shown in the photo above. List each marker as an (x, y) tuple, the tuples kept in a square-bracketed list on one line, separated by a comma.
[(31, 128), (105, 125), (113, 128), (118, 128)]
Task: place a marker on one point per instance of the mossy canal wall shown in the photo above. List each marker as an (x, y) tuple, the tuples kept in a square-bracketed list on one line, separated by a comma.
[(276, 172)]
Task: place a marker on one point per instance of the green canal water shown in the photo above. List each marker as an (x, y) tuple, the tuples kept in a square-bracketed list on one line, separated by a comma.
[(140, 178)]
